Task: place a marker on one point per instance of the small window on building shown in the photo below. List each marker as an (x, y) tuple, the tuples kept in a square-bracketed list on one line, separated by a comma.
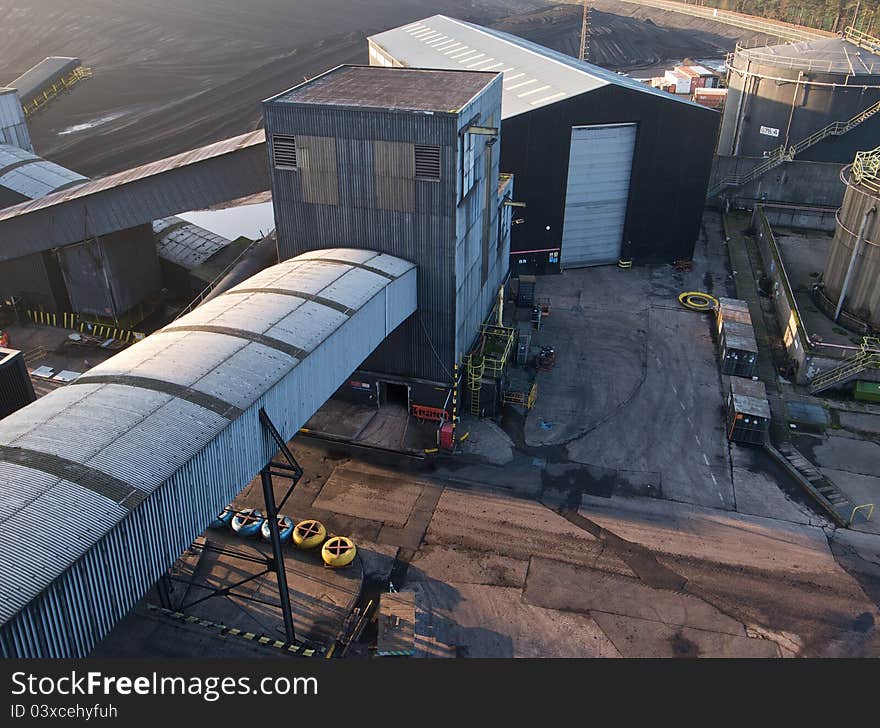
[(468, 163), (427, 160), (284, 151)]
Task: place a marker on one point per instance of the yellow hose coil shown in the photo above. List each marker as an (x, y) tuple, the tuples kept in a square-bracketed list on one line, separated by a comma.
[(338, 551), (698, 301), (309, 534)]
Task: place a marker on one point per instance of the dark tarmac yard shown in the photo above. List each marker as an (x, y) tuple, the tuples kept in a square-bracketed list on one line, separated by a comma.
[(629, 528)]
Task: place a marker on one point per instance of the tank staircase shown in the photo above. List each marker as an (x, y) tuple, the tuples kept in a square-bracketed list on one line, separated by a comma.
[(868, 357), (781, 154)]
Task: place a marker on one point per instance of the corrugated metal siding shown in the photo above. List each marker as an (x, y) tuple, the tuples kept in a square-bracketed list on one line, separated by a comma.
[(28, 279), (195, 180), (863, 294), (13, 127), (16, 388), (425, 347), (480, 266), (74, 560), (395, 175), (316, 157), (357, 221)]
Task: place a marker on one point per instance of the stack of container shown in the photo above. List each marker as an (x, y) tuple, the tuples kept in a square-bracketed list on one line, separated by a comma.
[(748, 411), (737, 347)]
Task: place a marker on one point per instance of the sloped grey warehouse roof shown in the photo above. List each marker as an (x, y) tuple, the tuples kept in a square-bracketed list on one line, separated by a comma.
[(534, 76)]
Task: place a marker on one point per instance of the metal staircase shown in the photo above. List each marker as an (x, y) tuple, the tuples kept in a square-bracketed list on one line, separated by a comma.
[(781, 154), (868, 357)]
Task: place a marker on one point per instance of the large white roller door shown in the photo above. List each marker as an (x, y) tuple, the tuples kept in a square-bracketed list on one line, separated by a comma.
[(599, 167)]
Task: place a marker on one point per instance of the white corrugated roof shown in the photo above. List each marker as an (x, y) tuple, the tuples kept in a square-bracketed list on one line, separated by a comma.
[(184, 243), (534, 76), (32, 176), (127, 425)]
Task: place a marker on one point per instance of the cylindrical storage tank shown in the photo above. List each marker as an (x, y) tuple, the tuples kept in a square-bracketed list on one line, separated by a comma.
[(780, 95), (16, 388), (862, 299)]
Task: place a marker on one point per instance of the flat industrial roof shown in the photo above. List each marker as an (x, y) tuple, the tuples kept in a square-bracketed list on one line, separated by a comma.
[(832, 55), (400, 89), (534, 76)]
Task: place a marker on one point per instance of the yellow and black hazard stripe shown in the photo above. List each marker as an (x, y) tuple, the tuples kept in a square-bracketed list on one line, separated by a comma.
[(222, 629)]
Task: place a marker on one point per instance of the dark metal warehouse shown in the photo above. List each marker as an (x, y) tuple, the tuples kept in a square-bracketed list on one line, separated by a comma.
[(607, 166)]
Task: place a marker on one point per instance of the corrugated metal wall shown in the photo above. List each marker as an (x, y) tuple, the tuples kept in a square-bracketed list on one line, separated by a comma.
[(183, 462), (30, 280), (381, 206), (425, 237), (195, 180), (16, 388), (13, 127), (111, 275), (863, 293), (481, 262)]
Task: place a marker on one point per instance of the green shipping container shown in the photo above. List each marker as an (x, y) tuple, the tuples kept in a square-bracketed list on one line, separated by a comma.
[(867, 391)]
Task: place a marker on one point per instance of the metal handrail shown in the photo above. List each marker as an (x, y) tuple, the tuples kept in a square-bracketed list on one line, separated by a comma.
[(862, 39), (781, 154), (866, 169)]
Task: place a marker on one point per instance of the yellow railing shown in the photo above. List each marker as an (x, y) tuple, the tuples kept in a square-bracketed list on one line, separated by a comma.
[(866, 169), (38, 102), (72, 321)]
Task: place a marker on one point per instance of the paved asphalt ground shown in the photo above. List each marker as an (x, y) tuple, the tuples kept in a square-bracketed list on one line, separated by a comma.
[(629, 527)]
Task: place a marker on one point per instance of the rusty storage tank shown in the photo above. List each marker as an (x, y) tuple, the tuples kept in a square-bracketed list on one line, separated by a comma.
[(16, 389), (780, 95), (852, 274)]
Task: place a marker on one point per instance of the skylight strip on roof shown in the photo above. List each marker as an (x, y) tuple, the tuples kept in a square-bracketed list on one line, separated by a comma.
[(544, 100), (533, 91)]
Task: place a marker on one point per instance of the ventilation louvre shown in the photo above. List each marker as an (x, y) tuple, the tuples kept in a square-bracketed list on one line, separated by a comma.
[(284, 151), (427, 161)]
